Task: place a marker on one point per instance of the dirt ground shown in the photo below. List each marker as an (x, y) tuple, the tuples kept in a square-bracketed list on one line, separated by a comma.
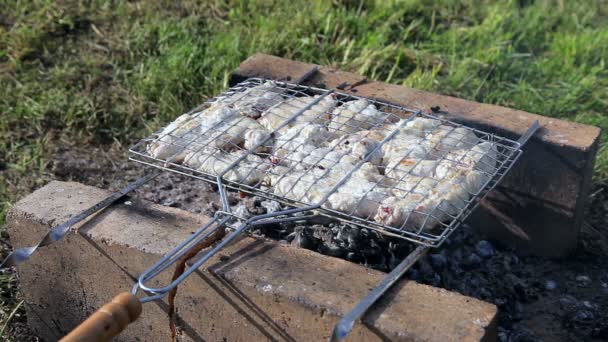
[(539, 299)]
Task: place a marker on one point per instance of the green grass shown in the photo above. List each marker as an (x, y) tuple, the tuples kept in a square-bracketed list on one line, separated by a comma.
[(111, 71)]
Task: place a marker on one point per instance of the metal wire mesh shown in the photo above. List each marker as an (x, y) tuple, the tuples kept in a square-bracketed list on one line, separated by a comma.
[(366, 162)]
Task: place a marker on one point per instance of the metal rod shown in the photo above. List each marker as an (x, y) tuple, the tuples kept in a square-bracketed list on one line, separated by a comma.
[(176, 253), (311, 72), (529, 133), (20, 255), (343, 328), (180, 250), (171, 257)]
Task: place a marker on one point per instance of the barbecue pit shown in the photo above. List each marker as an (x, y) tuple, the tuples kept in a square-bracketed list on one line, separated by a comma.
[(320, 152), (221, 153)]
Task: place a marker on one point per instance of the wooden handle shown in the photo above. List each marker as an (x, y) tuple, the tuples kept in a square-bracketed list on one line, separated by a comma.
[(108, 321)]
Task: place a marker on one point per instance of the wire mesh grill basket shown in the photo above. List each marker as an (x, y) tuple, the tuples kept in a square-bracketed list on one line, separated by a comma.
[(365, 162)]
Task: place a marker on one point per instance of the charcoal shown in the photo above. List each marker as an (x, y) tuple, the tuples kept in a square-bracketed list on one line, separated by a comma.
[(503, 336), (484, 249), (583, 281), (170, 203), (304, 239), (393, 262), (567, 302), (332, 249), (583, 316), (438, 260), (253, 205), (601, 332), (521, 334), (473, 260), (550, 285)]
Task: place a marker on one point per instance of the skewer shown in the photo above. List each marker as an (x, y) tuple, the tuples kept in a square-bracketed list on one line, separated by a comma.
[(20, 255)]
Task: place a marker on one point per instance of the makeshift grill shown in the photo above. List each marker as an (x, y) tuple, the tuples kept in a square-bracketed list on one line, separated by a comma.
[(344, 176), (250, 174)]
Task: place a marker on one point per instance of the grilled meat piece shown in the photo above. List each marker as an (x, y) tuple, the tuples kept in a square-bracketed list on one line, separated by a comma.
[(418, 127), (173, 139), (482, 157), (317, 114), (446, 139), (250, 170), (358, 197), (186, 130), (254, 101), (216, 127), (361, 145), (399, 212), (399, 169), (355, 116), (301, 137)]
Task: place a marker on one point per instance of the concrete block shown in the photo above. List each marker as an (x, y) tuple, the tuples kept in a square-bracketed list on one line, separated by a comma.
[(253, 291), (545, 193)]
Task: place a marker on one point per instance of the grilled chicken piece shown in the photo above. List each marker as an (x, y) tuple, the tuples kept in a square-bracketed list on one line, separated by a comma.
[(306, 186), (439, 200), (360, 145), (216, 127), (322, 157), (174, 138), (336, 164), (360, 195), (230, 133), (443, 202), (446, 139), (417, 212), (366, 171), (355, 116), (301, 137), (482, 157), (254, 101), (393, 151), (409, 141), (318, 113), (418, 127), (448, 197), (258, 136), (398, 212), (357, 197), (250, 170), (184, 132), (413, 184), (274, 174), (398, 169)]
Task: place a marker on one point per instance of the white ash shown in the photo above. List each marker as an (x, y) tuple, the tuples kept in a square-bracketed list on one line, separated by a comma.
[(271, 206)]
